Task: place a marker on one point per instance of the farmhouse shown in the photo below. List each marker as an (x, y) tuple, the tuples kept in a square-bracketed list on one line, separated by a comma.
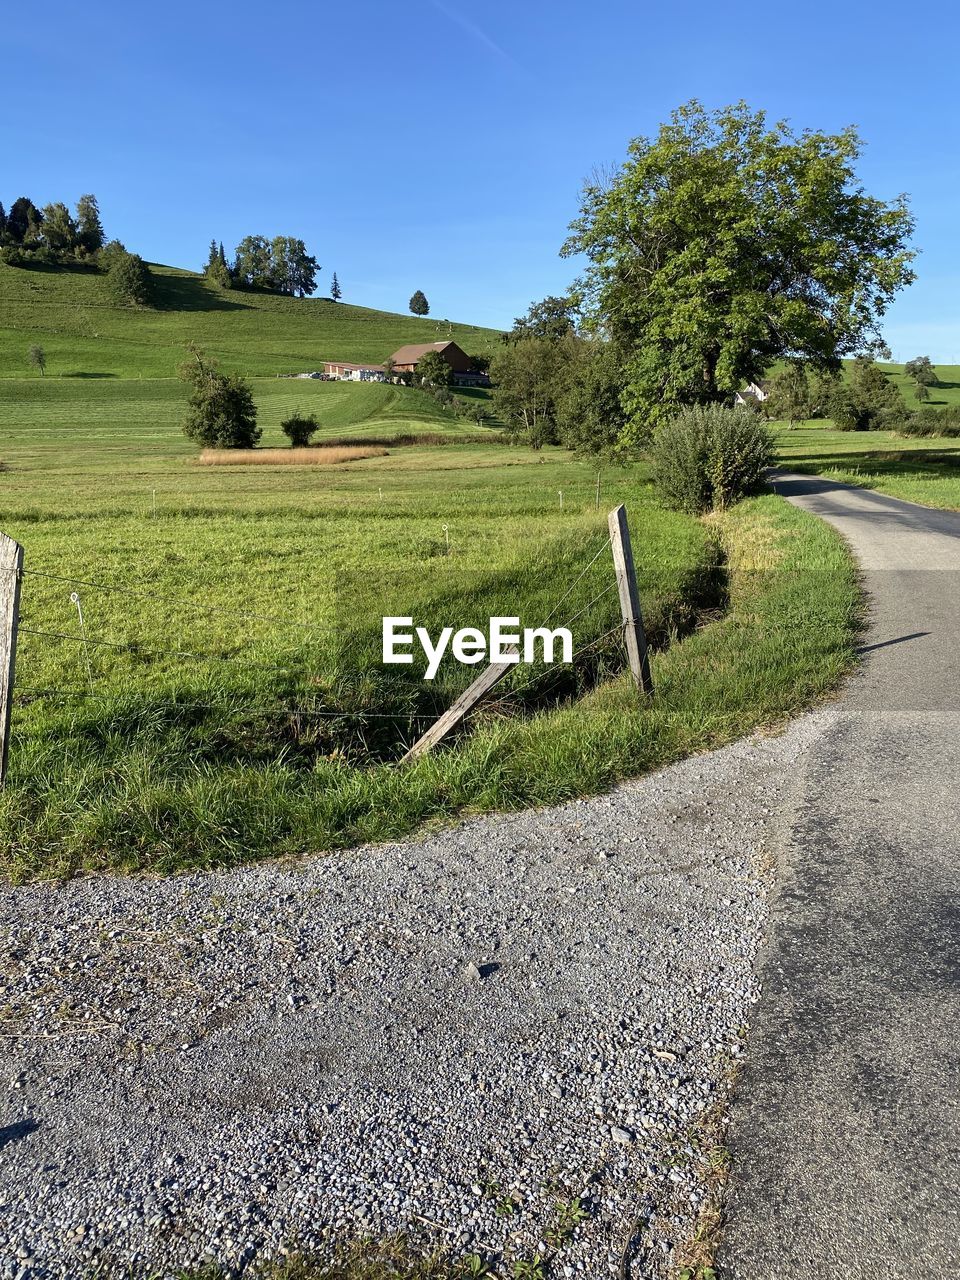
[(752, 394), (407, 358), (344, 371)]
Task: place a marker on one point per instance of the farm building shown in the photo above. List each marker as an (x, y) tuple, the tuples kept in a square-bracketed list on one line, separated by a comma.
[(407, 358), (753, 393), (344, 371)]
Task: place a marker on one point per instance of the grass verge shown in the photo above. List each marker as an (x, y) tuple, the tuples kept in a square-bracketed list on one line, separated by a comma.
[(125, 786), (925, 470)]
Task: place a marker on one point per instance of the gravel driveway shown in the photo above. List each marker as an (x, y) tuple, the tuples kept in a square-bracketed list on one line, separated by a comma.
[(453, 1035)]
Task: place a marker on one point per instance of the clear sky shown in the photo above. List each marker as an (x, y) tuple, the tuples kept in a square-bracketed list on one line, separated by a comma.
[(441, 144)]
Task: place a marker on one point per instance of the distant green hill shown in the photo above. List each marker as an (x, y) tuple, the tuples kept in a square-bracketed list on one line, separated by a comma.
[(83, 333)]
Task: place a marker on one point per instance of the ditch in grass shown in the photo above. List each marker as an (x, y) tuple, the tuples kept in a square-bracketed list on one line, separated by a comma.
[(135, 783)]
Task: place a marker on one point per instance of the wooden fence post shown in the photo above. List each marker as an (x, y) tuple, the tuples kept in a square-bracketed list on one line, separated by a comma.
[(633, 633), (11, 566), (463, 705)]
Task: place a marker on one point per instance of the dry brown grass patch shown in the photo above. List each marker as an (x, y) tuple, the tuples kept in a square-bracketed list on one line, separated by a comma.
[(309, 457)]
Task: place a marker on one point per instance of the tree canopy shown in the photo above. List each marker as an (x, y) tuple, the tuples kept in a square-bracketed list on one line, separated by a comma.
[(221, 413), (51, 235), (724, 244), (282, 264), (128, 276), (922, 371), (433, 370), (419, 305), (551, 318)]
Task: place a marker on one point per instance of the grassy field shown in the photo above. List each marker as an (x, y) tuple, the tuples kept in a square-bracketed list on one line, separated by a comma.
[(86, 336), (230, 703), (917, 469), (947, 393), (222, 696)]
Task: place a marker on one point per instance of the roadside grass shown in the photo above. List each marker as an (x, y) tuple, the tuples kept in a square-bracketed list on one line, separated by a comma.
[(918, 469), (225, 700), (144, 780), (86, 336)]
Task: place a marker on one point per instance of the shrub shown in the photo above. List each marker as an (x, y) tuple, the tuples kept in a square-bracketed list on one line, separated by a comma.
[(931, 422), (299, 429), (710, 457), (128, 276), (221, 412)]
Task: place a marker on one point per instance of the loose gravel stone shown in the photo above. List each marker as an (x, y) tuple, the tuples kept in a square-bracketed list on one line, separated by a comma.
[(222, 1067)]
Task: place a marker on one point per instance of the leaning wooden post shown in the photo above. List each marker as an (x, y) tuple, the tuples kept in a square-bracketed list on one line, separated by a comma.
[(11, 568), (461, 708), (633, 633)]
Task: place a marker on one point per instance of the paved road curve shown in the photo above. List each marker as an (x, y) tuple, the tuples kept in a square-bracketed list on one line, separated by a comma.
[(846, 1123)]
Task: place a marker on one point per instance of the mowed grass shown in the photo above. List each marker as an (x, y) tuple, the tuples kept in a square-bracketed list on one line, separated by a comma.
[(922, 470), (84, 335), (231, 703)]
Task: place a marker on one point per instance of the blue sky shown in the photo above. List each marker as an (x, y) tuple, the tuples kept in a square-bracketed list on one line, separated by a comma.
[(441, 144)]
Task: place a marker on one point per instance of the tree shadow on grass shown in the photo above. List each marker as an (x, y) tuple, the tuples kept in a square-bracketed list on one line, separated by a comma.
[(190, 293), (892, 460)]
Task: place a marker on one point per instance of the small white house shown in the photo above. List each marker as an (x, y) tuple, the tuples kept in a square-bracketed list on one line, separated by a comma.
[(752, 393)]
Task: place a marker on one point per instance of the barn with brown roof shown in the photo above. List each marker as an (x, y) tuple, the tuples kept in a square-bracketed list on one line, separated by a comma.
[(407, 358)]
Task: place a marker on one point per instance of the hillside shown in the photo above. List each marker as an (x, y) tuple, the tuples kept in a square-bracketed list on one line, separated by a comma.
[(70, 314)]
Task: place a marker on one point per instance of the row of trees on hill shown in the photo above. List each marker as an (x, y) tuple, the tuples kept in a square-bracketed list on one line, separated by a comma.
[(722, 246), (53, 236), (281, 264)]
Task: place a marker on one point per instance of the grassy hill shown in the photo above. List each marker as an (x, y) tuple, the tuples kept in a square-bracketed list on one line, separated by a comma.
[(84, 334), (947, 393)]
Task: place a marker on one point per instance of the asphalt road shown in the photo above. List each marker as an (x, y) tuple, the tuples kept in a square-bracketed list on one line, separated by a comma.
[(846, 1121)]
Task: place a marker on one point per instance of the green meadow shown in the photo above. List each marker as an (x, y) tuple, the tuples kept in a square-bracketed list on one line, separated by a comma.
[(84, 335), (199, 675), (923, 470)]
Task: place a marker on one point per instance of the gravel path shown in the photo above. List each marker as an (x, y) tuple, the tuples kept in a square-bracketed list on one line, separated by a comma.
[(451, 1035)]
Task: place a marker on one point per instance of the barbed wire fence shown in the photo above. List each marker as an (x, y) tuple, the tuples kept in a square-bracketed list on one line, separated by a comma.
[(13, 574)]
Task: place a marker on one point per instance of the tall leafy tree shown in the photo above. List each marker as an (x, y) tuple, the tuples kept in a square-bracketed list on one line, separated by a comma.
[(867, 400), (528, 379), (23, 221), (293, 270), (551, 318), (788, 393), (588, 413), (725, 243), (336, 293), (304, 268), (3, 223), (254, 263), (419, 305), (433, 370), (128, 276), (59, 230), (38, 359), (221, 413), (90, 235), (921, 370)]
